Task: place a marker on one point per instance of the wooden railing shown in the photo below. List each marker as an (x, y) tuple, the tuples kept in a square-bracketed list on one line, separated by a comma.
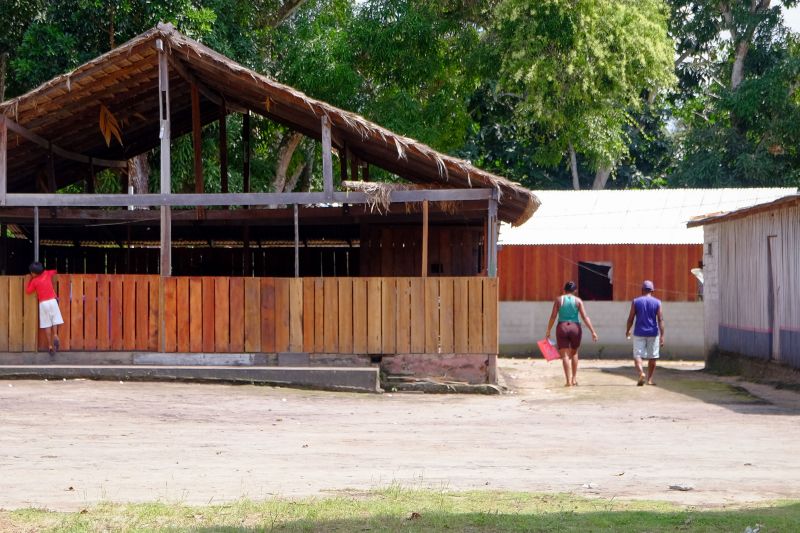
[(236, 315)]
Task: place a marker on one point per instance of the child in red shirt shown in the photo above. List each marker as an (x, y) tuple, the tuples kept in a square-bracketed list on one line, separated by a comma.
[(49, 313)]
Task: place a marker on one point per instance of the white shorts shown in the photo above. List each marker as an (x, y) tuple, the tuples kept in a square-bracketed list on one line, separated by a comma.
[(49, 314), (645, 347)]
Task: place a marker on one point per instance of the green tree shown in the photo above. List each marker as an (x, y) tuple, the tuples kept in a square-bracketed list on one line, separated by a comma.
[(738, 67), (579, 68)]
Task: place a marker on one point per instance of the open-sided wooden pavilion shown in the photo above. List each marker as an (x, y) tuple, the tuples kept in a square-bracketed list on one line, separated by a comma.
[(403, 275)]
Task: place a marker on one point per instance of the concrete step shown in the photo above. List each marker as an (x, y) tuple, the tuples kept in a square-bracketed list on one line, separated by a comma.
[(354, 379)]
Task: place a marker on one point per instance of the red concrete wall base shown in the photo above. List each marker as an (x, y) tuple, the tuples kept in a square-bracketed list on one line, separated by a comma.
[(470, 368)]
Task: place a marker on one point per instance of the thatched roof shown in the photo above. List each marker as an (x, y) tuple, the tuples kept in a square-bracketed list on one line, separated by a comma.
[(65, 112)]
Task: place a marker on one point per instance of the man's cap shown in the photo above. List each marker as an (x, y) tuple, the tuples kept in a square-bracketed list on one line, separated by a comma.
[(647, 285)]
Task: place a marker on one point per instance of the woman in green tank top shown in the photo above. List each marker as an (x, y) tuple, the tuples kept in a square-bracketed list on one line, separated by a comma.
[(569, 311)]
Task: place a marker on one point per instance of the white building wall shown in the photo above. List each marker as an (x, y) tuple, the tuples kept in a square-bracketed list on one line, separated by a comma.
[(522, 324)]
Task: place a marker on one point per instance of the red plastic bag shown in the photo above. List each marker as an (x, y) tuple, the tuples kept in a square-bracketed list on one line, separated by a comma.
[(548, 349)]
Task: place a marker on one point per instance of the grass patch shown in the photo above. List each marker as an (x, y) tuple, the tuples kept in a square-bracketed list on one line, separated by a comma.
[(397, 509)]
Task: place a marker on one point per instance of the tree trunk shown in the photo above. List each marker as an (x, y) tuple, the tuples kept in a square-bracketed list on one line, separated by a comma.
[(3, 63), (601, 178), (304, 182), (286, 150), (139, 174), (292, 182), (286, 10), (737, 74), (573, 165)]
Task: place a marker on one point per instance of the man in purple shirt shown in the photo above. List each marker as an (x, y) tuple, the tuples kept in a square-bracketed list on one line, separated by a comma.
[(648, 335)]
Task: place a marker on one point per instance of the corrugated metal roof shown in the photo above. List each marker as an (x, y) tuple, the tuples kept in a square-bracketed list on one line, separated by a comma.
[(715, 218), (629, 217)]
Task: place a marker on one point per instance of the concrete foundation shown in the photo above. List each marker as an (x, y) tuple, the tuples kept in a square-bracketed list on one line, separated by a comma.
[(342, 379), (470, 368), (524, 323)]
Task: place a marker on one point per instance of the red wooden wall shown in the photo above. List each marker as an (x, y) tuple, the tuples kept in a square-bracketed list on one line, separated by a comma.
[(537, 273)]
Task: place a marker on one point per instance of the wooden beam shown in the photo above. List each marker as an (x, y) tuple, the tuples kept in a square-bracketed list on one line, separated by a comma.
[(343, 164), (57, 150), (491, 237), (425, 238), (3, 160), (247, 256), (165, 263), (197, 146), (353, 166), (296, 243), (246, 152), (253, 198), (223, 147), (36, 234), (327, 159), (3, 249), (51, 172)]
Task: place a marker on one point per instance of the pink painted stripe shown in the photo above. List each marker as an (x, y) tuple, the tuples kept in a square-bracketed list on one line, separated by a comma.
[(791, 328), (747, 328)]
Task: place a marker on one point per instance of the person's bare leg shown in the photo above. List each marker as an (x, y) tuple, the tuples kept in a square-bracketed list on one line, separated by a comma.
[(637, 361), (574, 358), (566, 364), (56, 340), (651, 369), (49, 333)]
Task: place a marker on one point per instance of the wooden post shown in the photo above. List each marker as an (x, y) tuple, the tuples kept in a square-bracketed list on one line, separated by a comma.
[(165, 133), (491, 237), (246, 154), (51, 171), (36, 233), (223, 148), (343, 163), (3, 249), (296, 243), (353, 167), (197, 145), (90, 184), (327, 159), (247, 258), (425, 238), (3, 160)]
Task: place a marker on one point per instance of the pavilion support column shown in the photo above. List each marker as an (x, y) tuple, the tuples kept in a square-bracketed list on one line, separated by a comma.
[(3, 249), (353, 166), (3, 160), (296, 242), (425, 238), (491, 237), (247, 256), (36, 234), (343, 163), (246, 152), (165, 134), (197, 144), (327, 159), (223, 148)]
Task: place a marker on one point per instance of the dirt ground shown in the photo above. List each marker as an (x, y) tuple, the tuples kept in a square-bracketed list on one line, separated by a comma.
[(69, 444)]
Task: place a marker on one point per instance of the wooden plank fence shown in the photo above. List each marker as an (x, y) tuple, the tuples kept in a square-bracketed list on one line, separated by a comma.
[(237, 315)]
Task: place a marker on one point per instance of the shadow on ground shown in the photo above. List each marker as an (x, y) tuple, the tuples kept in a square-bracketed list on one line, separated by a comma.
[(708, 388)]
